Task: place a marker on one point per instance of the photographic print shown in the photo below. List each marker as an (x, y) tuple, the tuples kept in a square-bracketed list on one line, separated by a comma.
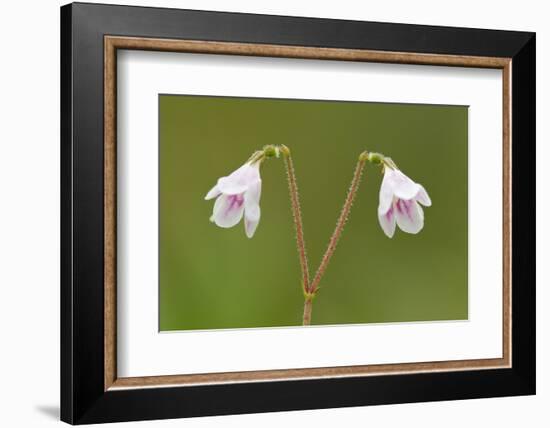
[(290, 212)]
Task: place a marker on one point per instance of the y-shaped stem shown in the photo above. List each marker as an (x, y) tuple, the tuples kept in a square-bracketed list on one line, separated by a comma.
[(297, 216), (308, 303), (339, 225), (310, 289)]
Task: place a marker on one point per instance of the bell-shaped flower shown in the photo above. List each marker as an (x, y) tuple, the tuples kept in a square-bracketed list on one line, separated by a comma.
[(399, 203), (238, 195)]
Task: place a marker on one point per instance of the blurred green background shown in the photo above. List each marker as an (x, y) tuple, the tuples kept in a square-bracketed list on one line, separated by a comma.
[(218, 278)]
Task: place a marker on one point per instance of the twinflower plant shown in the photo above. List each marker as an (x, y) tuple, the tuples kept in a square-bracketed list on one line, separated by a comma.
[(238, 195), (399, 198)]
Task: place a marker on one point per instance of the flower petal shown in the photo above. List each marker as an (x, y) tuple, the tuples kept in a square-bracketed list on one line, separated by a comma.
[(252, 208), (387, 221), (250, 226), (230, 186), (403, 186), (228, 210), (409, 215), (386, 193), (252, 196), (213, 193), (239, 180), (423, 197)]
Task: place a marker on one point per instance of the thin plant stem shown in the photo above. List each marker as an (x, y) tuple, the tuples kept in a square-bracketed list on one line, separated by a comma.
[(297, 216), (339, 226), (308, 305)]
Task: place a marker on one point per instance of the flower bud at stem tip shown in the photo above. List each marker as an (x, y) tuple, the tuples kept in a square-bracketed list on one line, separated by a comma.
[(372, 157), (375, 158), (271, 151)]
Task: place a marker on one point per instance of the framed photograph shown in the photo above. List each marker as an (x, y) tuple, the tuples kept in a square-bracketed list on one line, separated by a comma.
[(265, 213)]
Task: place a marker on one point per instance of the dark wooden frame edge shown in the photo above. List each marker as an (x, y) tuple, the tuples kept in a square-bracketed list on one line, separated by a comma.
[(83, 395)]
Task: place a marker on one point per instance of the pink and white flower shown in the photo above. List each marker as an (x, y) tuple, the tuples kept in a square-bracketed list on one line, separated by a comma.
[(238, 194), (399, 203)]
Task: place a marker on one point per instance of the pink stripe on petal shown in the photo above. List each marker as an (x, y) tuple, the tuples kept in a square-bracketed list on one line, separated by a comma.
[(228, 210), (409, 216)]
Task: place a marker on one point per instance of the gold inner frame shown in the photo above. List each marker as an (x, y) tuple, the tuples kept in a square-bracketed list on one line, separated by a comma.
[(112, 43)]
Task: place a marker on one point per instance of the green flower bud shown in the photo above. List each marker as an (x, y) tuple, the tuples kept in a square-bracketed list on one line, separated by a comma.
[(376, 158), (271, 151)]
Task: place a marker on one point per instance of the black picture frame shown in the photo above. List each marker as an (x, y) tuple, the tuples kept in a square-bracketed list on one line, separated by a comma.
[(83, 396)]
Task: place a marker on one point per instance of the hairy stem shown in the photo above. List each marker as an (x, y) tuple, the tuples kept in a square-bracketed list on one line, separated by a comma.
[(297, 216), (308, 305), (339, 225)]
